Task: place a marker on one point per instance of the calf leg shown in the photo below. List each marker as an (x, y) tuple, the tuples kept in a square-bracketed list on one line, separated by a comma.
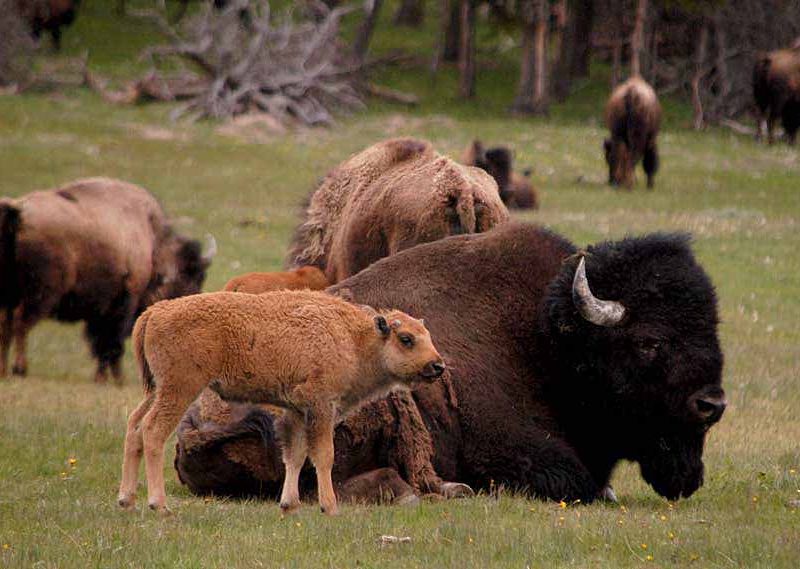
[(132, 455), (319, 433), (291, 432)]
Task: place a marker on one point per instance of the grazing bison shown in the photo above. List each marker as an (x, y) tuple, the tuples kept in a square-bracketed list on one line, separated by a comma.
[(633, 115), (48, 16), (389, 197), (562, 363), (97, 250), (776, 88), (516, 190), (256, 283), (314, 355)]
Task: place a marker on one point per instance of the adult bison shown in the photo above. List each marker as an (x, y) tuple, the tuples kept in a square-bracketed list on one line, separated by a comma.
[(48, 16), (549, 385), (633, 115), (97, 250), (389, 197), (776, 89), (516, 190)]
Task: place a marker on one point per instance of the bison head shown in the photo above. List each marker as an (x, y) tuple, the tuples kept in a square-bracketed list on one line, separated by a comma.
[(634, 327), (181, 267), (620, 163)]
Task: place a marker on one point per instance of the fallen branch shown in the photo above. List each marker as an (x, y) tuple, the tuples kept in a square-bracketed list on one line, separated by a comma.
[(392, 95)]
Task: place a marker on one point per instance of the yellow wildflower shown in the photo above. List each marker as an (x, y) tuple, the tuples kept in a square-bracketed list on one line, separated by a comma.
[(470, 539), (6, 546), (73, 461), (649, 558), (644, 546), (562, 504), (663, 518), (671, 535)]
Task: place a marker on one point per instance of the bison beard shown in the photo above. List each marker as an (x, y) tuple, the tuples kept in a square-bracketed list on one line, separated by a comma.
[(541, 399)]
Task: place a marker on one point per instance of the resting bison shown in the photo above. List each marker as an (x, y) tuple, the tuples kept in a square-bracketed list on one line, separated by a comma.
[(776, 88), (633, 115), (389, 197), (550, 386), (48, 16), (97, 250), (516, 190)]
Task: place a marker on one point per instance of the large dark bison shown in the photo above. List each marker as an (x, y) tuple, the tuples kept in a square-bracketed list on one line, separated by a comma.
[(389, 197), (516, 190), (633, 115), (48, 16), (97, 250), (563, 362), (776, 89)]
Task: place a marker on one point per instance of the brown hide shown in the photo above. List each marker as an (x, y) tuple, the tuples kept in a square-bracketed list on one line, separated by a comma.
[(48, 15), (633, 116), (256, 283), (98, 250), (389, 197), (776, 89), (516, 190)]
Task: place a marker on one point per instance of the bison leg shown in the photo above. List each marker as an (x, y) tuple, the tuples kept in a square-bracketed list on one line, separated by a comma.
[(23, 322), (380, 486), (6, 332), (319, 433), (106, 335), (132, 455), (292, 433), (650, 163)]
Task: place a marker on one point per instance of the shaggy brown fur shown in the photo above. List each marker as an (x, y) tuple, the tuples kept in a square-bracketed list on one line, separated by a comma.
[(516, 190), (316, 356), (310, 278), (97, 250), (776, 88), (389, 197), (633, 115), (48, 15)]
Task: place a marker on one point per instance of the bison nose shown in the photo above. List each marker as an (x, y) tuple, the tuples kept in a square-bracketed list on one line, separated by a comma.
[(434, 369), (709, 409)]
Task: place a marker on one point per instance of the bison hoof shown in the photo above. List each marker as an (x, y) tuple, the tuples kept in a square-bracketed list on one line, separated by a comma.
[(19, 370), (456, 490), (607, 494), (407, 500), (160, 509)]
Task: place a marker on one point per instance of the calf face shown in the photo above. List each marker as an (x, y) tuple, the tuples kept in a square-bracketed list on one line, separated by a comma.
[(408, 351)]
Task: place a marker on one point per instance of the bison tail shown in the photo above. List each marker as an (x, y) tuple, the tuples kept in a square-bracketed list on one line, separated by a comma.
[(10, 223), (636, 130), (139, 330)]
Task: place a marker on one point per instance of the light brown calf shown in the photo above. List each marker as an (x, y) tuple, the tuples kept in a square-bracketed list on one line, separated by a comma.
[(317, 356), (310, 278)]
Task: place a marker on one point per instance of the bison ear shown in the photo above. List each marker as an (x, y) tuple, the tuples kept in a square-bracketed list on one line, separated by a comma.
[(382, 326)]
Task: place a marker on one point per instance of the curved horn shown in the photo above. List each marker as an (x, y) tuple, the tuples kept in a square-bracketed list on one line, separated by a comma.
[(596, 311), (211, 248)]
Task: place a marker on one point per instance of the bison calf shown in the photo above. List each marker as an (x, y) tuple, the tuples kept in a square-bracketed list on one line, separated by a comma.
[(256, 283), (633, 115), (516, 190), (316, 356)]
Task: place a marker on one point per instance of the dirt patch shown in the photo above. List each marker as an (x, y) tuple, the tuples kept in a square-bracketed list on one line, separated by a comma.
[(253, 127)]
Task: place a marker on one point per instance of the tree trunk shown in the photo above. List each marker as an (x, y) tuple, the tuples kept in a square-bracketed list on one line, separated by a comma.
[(450, 34), (532, 91), (364, 34), (583, 22), (637, 38), (557, 40), (410, 13), (723, 79), (699, 60), (466, 55)]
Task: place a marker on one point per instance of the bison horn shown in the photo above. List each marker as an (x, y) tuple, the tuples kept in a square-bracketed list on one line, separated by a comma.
[(596, 311), (211, 248)]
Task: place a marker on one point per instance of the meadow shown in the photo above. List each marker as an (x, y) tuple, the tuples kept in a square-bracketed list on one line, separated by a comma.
[(61, 435)]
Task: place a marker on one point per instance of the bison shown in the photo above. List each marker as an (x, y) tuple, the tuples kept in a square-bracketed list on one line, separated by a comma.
[(389, 197), (776, 89), (633, 115), (516, 190), (256, 283), (97, 250), (562, 363), (48, 16), (316, 356)]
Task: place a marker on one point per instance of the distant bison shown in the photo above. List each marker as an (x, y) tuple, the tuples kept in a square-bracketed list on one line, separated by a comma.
[(633, 115), (776, 88), (389, 197), (516, 190), (310, 278), (97, 250), (48, 16), (563, 362)]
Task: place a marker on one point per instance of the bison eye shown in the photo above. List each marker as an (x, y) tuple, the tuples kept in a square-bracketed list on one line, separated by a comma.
[(649, 348), (406, 340)]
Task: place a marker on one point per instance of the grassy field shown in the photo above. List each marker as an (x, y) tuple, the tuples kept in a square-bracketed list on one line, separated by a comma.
[(61, 435)]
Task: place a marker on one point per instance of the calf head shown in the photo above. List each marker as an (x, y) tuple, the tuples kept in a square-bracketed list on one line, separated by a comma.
[(634, 324), (620, 162), (408, 351)]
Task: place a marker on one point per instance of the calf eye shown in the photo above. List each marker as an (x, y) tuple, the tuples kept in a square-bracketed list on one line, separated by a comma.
[(406, 340)]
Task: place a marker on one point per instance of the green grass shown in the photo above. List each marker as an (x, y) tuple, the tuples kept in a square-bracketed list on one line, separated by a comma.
[(740, 200)]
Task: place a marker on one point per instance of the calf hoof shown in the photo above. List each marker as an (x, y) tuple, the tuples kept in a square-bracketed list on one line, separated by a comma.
[(456, 490), (127, 502), (290, 507), (330, 510), (19, 370), (160, 509)]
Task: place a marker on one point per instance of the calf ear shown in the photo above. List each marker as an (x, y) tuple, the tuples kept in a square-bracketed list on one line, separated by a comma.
[(382, 326)]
